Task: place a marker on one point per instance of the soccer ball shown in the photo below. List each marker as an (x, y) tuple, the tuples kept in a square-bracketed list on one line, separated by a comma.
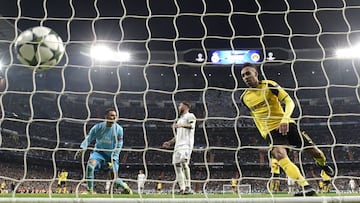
[(39, 48)]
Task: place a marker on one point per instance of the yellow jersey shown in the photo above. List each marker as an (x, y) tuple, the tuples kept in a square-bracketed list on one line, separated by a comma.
[(275, 167), (63, 176), (324, 176), (264, 103), (159, 186), (233, 182), (3, 185)]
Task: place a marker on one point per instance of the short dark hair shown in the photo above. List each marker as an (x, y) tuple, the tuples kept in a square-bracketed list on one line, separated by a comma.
[(186, 103), (249, 65), (108, 110)]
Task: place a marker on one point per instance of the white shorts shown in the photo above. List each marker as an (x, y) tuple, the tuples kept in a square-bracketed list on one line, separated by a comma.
[(181, 155), (291, 182), (141, 184), (107, 185)]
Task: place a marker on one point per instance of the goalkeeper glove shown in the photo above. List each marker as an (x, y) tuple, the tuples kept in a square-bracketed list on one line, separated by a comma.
[(108, 166), (79, 153)]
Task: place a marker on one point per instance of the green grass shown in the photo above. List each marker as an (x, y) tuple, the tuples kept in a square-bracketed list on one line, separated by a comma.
[(256, 195)]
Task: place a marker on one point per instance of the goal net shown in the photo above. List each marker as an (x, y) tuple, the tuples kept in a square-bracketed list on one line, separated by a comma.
[(155, 54)]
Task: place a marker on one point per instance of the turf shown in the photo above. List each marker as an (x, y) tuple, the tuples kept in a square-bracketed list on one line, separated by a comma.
[(255, 195)]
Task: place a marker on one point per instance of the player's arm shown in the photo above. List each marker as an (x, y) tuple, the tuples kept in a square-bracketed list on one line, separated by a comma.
[(187, 125), (190, 124), (167, 144), (85, 143), (284, 98), (289, 108), (119, 144), (192, 121)]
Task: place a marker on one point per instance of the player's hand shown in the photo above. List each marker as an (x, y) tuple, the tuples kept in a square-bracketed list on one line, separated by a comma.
[(284, 128), (166, 144), (78, 153)]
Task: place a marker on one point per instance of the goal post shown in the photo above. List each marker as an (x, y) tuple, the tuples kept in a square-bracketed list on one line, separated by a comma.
[(344, 199), (239, 189)]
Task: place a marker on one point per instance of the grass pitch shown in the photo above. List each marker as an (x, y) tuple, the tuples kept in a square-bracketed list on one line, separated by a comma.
[(172, 198), (137, 196)]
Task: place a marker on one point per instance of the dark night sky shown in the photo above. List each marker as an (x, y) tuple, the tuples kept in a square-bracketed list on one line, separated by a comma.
[(177, 26), (250, 22)]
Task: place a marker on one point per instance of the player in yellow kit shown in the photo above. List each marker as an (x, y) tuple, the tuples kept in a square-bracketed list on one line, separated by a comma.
[(234, 185), (264, 99), (159, 187), (62, 177), (326, 184), (275, 175), (3, 187)]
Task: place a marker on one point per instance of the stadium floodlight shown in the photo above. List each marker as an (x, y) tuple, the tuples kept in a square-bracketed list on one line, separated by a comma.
[(104, 53), (349, 52)]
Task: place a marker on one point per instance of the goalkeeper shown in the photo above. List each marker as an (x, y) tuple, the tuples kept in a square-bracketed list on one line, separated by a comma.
[(108, 136), (263, 99)]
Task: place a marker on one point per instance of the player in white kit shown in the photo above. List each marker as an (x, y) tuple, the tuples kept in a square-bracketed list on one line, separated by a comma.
[(141, 181), (184, 143), (352, 185), (291, 185)]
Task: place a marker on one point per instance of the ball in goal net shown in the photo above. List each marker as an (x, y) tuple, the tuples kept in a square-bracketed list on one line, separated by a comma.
[(154, 54)]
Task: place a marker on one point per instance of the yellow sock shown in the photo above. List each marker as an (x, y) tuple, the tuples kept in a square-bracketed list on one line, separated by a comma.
[(292, 171), (272, 186), (321, 161), (328, 187)]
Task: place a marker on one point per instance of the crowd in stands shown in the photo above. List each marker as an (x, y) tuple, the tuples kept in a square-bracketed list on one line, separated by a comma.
[(226, 139), (39, 179), (220, 148)]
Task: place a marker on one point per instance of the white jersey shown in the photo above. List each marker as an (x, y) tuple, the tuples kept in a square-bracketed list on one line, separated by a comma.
[(352, 184), (141, 179), (185, 136)]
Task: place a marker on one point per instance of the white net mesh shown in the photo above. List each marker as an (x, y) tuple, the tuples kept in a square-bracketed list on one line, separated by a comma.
[(45, 115)]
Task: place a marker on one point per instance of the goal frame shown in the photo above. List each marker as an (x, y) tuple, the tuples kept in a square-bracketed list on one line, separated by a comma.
[(237, 189), (319, 199)]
